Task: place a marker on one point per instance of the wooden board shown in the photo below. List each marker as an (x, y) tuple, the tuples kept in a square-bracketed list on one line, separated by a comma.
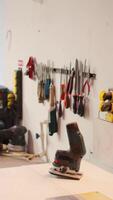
[(69, 197), (21, 155), (93, 196), (83, 196)]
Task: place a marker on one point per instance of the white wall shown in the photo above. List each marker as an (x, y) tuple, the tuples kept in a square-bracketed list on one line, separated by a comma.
[(2, 41), (62, 30)]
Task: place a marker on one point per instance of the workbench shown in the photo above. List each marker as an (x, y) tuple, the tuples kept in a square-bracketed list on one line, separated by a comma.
[(33, 182)]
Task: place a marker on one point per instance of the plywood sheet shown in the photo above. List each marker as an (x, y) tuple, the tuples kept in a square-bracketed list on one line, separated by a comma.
[(93, 196), (83, 196)]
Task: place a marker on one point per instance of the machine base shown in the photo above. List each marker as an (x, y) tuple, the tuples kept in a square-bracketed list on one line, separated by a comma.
[(76, 175)]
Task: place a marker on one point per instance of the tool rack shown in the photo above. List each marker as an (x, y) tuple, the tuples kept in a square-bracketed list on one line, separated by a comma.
[(67, 71)]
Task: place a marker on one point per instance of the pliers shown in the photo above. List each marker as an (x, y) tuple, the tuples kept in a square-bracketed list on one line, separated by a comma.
[(87, 81)]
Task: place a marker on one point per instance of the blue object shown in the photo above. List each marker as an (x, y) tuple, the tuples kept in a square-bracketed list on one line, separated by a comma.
[(46, 88)]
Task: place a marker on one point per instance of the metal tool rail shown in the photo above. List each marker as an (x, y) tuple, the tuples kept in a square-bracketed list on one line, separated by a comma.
[(67, 71)]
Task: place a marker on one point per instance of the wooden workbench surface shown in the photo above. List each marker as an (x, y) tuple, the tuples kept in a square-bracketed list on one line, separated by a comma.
[(33, 182)]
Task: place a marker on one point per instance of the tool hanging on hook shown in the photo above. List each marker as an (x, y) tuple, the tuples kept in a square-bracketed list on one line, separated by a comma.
[(60, 111), (76, 88), (81, 95), (67, 99), (87, 82)]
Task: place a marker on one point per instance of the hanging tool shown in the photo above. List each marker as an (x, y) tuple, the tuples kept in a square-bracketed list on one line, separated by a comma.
[(47, 83), (60, 112), (71, 85), (76, 87), (63, 88), (87, 82), (67, 99), (72, 73), (30, 68), (53, 124), (81, 96), (41, 84), (52, 91)]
